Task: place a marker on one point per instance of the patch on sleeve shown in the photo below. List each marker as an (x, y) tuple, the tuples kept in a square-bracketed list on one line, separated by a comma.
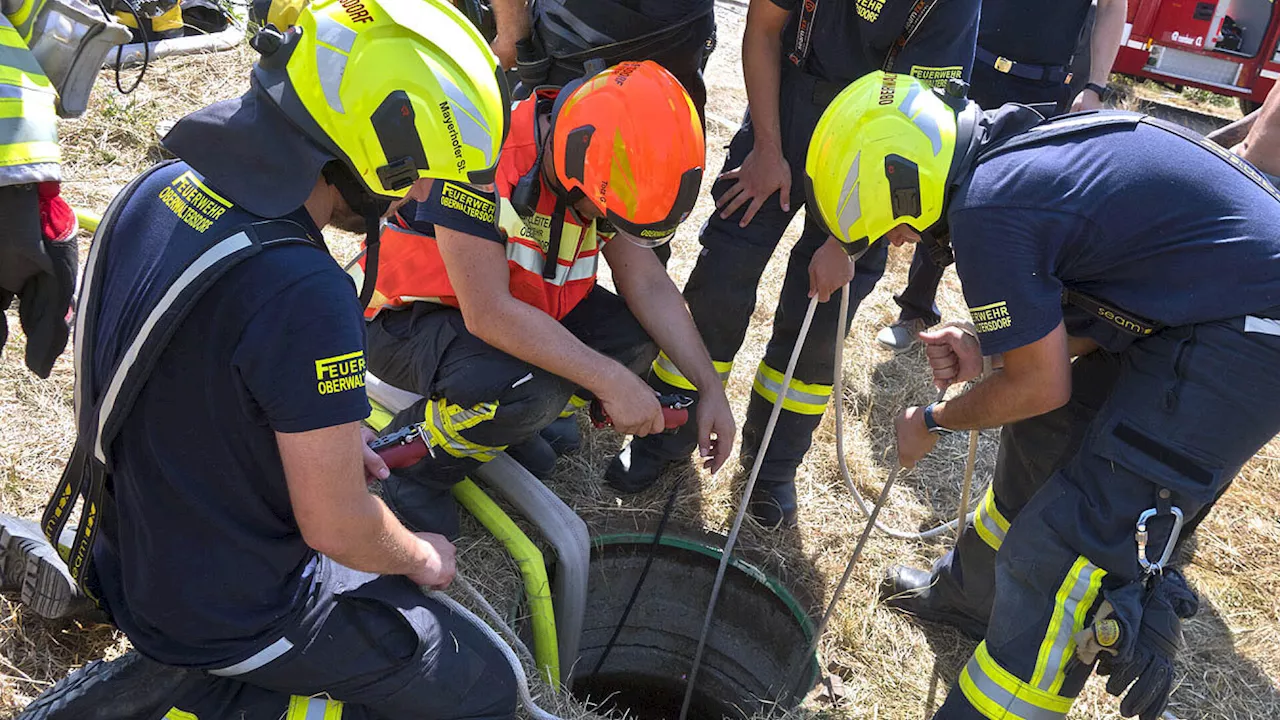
[(468, 202), (990, 318), (936, 76), (193, 202), (869, 10), (340, 373)]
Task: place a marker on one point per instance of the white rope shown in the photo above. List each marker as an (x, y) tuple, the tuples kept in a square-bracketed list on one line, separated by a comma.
[(742, 507), (522, 680), (844, 467)]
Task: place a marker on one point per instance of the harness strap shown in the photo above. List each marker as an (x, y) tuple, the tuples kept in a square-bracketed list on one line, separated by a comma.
[(804, 32), (915, 19), (1127, 322), (99, 418)]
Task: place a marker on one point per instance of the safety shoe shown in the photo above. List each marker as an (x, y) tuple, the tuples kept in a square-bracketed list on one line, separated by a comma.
[(908, 589), (126, 688), (422, 507), (563, 435), (773, 504), (31, 565), (902, 335), (536, 455), (635, 469)]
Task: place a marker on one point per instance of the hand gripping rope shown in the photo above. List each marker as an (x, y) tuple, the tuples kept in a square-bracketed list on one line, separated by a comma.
[(963, 514)]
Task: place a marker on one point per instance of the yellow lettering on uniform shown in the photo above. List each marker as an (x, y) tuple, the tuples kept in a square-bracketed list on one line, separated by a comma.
[(936, 76), (990, 318), (340, 373)]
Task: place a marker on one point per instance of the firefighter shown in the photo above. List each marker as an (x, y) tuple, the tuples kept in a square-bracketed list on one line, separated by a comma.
[(38, 254), (796, 57), (1024, 55), (1148, 254), (487, 303), (220, 464)]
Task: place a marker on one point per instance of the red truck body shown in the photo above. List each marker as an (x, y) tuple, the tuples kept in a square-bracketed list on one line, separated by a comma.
[(1231, 47)]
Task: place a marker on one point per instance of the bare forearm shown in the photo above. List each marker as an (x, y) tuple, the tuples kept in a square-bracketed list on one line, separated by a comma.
[(1262, 145), (995, 401), (762, 72), (512, 18), (665, 316), (1108, 29), (542, 341), (373, 540)]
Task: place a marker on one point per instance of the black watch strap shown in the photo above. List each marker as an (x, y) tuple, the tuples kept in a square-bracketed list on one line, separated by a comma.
[(932, 425), (1102, 90)]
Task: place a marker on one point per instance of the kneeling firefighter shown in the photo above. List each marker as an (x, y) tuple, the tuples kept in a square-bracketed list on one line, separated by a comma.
[(50, 53), (487, 303), (1088, 236), (220, 463)]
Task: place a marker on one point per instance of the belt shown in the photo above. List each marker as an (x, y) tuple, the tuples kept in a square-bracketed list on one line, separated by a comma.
[(1026, 71)]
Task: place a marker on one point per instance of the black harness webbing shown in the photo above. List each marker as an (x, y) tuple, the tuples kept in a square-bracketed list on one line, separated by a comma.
[(1096, 120), (101, 408), (804, 32)]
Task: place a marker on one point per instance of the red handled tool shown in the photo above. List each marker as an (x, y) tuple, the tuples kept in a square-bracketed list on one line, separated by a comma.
[(675, 412), (403, 447)]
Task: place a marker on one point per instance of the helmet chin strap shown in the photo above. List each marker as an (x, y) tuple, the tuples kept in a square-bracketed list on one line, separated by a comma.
[(369, 206)]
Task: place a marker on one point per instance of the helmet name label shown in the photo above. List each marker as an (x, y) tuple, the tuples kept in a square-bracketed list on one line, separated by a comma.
[(455, 139), (356, 11), (887, 88)]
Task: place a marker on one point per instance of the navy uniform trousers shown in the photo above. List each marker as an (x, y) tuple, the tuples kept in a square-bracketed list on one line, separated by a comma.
[(1182, 410), (479, 400), (721, 294)]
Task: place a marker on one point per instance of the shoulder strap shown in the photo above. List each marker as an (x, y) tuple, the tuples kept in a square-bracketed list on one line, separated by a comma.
[(915, 19), (99, 418), (804, 32)]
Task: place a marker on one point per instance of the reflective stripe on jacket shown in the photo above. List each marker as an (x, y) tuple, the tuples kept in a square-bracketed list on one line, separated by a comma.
[(410, 268), (28, 113)]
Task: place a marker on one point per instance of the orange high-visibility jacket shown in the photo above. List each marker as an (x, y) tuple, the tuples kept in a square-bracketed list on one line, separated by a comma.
[(410, 268)]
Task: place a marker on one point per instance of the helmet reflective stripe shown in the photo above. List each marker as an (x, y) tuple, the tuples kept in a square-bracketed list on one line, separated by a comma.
[(850, 209), (473, 129), (333, 45), (927, 123)]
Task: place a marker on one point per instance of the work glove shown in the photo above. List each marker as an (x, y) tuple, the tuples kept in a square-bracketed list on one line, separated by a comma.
[(1142, 669), (38, 262)]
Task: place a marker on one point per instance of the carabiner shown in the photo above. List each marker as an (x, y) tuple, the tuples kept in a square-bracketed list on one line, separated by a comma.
[(1152, 568)]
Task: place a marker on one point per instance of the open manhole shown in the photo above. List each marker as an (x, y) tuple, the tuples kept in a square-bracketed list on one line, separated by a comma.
[(755, 648)]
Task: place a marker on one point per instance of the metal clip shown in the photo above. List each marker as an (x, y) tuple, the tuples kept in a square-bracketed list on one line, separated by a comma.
[(1152, 568), (1003, 64)]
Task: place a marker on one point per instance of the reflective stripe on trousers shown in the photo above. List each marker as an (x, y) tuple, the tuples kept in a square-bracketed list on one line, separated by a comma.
[(668, 373), (300, 708), (446, 421), (28, 116), (997, 693), (801, 398), (989, 522)]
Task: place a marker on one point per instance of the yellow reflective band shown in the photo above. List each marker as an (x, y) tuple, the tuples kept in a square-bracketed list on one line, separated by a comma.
[(668, 373), (801, 398), (170, 19), (446, 421), (1075, 596), (576, 402), (989, 522), (176, 714), (313, 708), (379, 416), (998, 694)]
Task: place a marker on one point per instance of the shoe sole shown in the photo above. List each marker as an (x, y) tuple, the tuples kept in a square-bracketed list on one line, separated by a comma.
[(965, 625), (32, 566)]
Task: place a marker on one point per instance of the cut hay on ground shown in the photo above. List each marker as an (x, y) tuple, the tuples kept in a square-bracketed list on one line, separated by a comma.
[(892, 668)]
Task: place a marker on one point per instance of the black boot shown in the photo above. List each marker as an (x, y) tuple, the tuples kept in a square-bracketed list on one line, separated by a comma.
[(536, 455), (910, 590), (421, 506), (636, 468), (563, 435), (127, 688), (773, 504), (31, 565)]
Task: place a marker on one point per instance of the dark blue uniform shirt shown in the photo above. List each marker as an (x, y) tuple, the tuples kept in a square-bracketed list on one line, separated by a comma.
[(204, 563), (1040, 32), (1140, 218), (851, 38)]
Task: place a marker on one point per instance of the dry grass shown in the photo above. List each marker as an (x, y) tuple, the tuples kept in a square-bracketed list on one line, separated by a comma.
[(892, 668)]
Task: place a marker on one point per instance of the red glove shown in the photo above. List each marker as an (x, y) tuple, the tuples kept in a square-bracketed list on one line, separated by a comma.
[(57, 219)]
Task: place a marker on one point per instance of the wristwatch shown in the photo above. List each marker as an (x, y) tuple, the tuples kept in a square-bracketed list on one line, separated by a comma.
[(1101, 90), (932, 425)]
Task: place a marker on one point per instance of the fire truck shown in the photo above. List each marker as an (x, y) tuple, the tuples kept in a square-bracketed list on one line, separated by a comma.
[(1230, 47)]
